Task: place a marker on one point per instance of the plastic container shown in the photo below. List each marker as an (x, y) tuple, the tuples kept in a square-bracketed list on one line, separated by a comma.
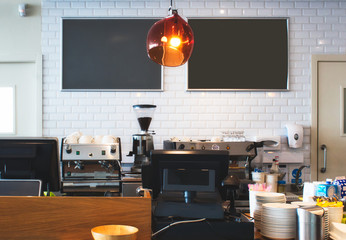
[(258, 177), (282, 186), (327, 189)]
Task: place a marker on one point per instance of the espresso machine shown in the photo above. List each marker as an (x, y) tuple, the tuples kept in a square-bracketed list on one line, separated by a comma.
[(241, 154), (142, 143), (90, 169)]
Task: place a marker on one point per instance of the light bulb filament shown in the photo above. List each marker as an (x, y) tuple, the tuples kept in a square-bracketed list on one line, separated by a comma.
[(175, 42)]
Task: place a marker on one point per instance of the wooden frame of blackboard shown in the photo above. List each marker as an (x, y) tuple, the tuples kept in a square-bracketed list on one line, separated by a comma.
[(159, 86), (283, 89)]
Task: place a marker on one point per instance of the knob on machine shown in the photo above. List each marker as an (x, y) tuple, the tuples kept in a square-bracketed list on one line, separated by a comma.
[(142, 143)]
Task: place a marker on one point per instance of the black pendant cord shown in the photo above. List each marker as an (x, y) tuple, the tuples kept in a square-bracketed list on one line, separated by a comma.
[(170, 9)]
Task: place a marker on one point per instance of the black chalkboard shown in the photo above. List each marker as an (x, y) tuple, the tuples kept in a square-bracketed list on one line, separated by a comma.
[(108, 55), (239, 54)]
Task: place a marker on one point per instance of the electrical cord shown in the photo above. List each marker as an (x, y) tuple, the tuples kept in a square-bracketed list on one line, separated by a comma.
[(176, 223)]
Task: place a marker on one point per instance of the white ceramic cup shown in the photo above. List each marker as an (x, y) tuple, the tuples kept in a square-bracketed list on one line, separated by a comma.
[(76, 134), (108, 139), (98, 139), (86, 139), (215, 139), (71, 139)]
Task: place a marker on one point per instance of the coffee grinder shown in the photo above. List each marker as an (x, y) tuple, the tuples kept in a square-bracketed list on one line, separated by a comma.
[(142, 142)]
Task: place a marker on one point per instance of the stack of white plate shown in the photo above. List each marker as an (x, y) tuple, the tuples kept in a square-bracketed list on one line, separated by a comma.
[(326, 224), (279, 220), (257, 217), (338, 231), (263, 198), (304, 204)]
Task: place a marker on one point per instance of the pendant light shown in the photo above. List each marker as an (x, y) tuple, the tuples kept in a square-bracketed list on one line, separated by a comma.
[(170, 40)]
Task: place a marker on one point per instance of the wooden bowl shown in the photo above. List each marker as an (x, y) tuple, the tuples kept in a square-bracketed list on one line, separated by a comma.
[(114, 232)]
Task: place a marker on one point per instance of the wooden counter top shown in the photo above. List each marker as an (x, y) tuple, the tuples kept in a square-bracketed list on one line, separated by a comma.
[(66, 218)]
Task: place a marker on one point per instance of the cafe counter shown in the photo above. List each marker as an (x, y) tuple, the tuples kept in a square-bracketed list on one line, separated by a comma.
[(66, 218)]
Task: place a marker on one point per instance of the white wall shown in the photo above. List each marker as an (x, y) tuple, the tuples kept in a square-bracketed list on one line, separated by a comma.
[(20, 35), (315, 27), (20, 64)]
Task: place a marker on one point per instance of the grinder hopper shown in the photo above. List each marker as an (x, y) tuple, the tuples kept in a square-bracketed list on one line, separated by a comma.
[(144, 113)]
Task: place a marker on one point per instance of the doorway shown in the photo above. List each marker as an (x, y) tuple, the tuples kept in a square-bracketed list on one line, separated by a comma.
[(21, 79), (328, 129)]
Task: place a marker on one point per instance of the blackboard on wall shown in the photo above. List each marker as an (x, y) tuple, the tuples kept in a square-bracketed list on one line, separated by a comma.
[(108, 54), (239, 54)]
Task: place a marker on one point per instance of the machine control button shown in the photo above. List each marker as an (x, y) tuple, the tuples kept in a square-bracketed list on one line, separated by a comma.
[(68, 174), (103, 152), (77, 152), (181, 146), (228, 148), (215, 147), (203, 147), (90, 154)]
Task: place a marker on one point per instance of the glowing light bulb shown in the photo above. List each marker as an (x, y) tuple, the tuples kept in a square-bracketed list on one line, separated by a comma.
[(170, 41), (175, 42)]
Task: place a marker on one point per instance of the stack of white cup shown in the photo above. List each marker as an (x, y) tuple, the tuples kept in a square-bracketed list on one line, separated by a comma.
[(78, 137)]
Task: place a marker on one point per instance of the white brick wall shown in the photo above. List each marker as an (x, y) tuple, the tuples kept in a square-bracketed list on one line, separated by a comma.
[(315, 27)]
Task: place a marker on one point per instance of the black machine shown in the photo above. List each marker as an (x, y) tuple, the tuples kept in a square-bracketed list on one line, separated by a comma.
[(143, 142), (187, 170), (184, 182), (240, 156), (31, 158), (188, 185)]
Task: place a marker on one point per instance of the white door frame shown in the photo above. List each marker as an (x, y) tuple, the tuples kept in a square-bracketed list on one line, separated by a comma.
[(37, 60), (315, 59)]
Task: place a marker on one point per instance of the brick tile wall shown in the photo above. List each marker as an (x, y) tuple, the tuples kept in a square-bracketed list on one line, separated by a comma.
[(316, 27)]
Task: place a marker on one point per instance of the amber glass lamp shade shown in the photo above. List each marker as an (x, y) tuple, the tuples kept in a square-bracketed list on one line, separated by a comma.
[(170, 41)]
